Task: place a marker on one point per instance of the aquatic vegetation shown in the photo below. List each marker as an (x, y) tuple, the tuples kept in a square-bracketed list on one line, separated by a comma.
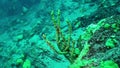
[(64, 43), (78, 54)]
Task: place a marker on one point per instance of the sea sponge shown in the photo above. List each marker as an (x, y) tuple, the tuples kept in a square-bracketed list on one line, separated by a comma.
[(108, 64)]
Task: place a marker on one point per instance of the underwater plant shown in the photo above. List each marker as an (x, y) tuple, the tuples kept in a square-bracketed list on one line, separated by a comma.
[(80, 52)]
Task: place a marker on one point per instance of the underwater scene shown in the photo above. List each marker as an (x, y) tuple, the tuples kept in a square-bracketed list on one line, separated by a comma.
[(59, 33)]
